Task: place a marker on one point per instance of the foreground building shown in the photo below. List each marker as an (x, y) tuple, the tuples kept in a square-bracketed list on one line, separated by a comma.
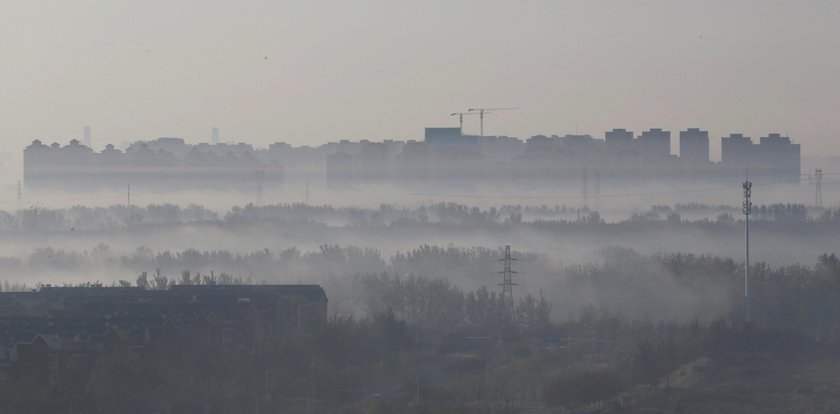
[(54, 329)]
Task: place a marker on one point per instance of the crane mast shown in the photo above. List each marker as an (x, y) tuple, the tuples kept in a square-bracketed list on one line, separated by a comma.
[(461, 118), (482, 111)]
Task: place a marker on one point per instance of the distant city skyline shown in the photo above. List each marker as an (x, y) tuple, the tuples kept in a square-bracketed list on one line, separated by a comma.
[(671, 141), (445, 155), (312, 72)]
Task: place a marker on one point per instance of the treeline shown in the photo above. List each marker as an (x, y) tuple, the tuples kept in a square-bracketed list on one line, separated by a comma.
[(39, 220), (623, 286), (334, 369), (441, 287), (287, 264)]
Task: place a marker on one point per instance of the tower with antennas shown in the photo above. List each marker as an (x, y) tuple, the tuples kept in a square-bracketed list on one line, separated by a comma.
[(747, 209)]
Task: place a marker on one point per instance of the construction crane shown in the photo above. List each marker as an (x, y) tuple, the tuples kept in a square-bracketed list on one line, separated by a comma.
[(461, 118), (482, 111)]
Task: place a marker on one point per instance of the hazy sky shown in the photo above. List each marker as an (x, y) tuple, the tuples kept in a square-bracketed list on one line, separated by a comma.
[(307, 72)]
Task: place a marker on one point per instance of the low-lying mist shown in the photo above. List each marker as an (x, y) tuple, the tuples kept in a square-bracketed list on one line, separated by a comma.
[(782, 233), (614, 201), (617, 280), (571, 257)]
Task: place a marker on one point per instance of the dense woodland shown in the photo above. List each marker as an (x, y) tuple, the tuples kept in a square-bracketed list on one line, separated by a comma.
[(37, 219), (423, 329), (411, 351), (673, 286)]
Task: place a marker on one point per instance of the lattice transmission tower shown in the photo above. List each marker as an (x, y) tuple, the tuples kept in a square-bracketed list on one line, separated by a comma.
[(507, 286)]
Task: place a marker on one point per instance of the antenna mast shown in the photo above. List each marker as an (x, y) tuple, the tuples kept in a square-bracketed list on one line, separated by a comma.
[(747, 209)]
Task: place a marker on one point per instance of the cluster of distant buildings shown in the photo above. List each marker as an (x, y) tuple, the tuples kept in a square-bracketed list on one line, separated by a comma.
[(444, 155), (54, 330), (164, 161)]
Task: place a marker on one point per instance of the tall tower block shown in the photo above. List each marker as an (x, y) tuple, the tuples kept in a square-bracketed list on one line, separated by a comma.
[(694, 145)]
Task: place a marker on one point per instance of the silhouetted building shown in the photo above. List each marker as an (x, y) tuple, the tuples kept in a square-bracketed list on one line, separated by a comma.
[(451, 139), (782, 156), (694, 145), (655, 143), (161, 162), (59, 328), (736, 149), (339, 167), (445, 156), (443, 135), (775, 158), (619, 141)]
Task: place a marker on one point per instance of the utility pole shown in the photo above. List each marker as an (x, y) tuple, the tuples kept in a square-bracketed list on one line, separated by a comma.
[(507, 286), (818, 175), (747, 209)]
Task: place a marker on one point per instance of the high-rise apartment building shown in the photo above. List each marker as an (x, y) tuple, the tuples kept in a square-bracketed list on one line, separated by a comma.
[(694, 145)]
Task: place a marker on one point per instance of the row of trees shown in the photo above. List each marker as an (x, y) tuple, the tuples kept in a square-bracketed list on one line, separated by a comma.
[(37, 219), (431, 285), (385, 350)]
